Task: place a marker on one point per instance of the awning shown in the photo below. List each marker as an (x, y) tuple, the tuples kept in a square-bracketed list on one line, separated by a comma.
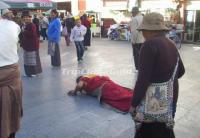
[(27, 1), (31, 4)]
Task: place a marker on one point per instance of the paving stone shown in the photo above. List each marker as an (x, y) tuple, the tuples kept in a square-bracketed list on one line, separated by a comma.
[(50, 113)]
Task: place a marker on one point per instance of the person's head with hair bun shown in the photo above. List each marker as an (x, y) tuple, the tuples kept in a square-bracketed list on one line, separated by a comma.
[(54, 13)]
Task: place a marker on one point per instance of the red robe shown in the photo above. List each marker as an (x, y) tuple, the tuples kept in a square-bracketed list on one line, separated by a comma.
[(112, 93), (29, 38)]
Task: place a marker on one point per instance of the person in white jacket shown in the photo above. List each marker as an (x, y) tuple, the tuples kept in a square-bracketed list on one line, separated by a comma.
[(137, 38), (77, 35)]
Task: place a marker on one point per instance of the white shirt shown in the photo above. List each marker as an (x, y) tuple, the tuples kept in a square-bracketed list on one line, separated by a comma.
[(77, 33), (9, 32), (136, 36)]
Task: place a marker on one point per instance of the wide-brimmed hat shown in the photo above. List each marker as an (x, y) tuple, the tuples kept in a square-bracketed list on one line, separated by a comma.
[(6, 11), (135, 9), (153, 22), (26, 13)]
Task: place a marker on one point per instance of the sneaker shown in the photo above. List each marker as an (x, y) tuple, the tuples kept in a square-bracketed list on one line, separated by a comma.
[(79, 61)]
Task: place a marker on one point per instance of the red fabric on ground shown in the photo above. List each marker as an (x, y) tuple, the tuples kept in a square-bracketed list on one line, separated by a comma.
[(117, 96), (112, 93)]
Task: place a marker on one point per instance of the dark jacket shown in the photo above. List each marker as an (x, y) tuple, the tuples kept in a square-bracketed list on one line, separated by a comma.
[(37, 24), (158, 57), (70, 23), (29, 39)]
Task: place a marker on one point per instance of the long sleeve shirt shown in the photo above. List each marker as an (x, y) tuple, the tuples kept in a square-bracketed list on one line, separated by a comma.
[(157, 61), (77, 33), (136, 36)]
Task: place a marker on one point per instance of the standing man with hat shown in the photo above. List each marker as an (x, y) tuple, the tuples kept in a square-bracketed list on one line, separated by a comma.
[(10, 80), (137, 38)]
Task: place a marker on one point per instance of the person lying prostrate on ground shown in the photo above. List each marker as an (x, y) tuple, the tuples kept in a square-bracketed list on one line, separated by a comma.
[(108, 92)]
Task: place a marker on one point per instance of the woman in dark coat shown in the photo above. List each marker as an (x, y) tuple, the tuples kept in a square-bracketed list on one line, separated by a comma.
[(157, 61), (87, 24), (30, 45)]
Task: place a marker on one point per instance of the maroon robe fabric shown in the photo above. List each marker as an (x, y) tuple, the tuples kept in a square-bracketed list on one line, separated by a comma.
[(112, 93), (86, 23), (29, 40)]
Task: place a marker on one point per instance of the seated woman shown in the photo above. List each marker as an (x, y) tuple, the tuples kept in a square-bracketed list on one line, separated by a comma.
[(108, 92)]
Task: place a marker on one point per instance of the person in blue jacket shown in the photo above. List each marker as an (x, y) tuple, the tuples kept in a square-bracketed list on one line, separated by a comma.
[(54, 31)]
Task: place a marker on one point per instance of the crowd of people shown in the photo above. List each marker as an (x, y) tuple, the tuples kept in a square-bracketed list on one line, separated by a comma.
[(152, 102), (156, 60), (36, 26)]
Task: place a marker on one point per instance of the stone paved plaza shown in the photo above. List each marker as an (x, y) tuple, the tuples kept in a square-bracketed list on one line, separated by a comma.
[(50, 113)]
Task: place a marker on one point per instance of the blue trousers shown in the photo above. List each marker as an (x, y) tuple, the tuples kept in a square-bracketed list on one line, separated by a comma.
[(79, 49)]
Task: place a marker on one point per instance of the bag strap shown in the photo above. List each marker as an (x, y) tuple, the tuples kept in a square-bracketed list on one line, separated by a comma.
[(175, 70)]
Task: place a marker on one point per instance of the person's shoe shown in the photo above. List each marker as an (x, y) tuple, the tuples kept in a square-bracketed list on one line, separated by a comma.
[(27, 75), (79, 61), (136, 71), (56, 67)]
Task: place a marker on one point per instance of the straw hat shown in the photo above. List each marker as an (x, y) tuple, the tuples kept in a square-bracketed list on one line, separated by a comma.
[(153, 22)]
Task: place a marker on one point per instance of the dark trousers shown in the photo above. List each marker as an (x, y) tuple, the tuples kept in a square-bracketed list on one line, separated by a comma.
[(55, 59), (87, 37), (44, 33), (67, 39), (136, 52), (12, 135), (79, 49), (154, 130)]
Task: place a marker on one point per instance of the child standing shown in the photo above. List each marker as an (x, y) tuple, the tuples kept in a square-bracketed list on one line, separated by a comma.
[(77, 35)]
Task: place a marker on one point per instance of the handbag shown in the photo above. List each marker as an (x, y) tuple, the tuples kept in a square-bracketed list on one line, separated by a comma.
[(64, 31), (157, 105)]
